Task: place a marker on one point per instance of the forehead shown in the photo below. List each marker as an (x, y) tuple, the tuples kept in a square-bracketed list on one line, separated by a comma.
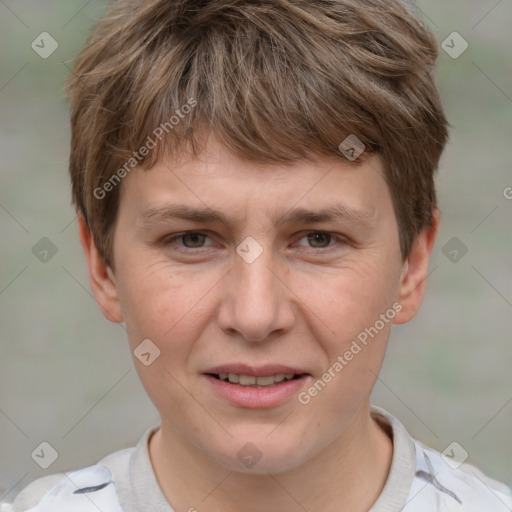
[(218, 183)]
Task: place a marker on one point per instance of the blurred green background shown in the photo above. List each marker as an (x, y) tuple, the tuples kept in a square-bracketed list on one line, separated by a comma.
[(66, 375)]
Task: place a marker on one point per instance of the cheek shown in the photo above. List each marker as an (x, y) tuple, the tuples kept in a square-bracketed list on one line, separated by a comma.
[(164, 304), (164, 307), (352, 332), (150, 302), (346, 300)]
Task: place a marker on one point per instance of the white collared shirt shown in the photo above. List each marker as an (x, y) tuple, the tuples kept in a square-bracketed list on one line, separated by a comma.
[(420, 480)]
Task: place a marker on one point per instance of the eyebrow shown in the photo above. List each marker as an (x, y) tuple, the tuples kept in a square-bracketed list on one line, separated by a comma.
[(337, 212)]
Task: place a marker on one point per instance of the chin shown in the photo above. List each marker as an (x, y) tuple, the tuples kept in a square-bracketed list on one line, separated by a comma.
[(259, 455)]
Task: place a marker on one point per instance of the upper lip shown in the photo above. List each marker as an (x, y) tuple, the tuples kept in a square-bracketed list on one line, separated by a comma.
[(256, 371)]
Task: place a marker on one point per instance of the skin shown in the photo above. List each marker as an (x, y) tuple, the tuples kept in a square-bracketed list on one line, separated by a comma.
[(301, 303)]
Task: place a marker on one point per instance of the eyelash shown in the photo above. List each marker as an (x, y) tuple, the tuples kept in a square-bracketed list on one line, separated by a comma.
[(170, 240)]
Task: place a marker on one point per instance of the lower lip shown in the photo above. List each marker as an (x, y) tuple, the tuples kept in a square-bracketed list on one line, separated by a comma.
[(257, 397)]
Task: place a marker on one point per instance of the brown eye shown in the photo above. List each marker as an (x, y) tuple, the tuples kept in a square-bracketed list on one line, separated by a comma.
[(322, 242), (186, 240), (193, 240), (319, 239)]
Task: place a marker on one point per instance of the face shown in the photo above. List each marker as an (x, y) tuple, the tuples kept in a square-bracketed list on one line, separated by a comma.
[(285, 278)]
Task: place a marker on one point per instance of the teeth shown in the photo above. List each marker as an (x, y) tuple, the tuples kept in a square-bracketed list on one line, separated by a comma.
[(233, 377), (245, 380), (265, 381), (252, 381)]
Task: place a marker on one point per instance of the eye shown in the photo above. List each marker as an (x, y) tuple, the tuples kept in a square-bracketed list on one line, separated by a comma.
[(187, 240), (321, 239)]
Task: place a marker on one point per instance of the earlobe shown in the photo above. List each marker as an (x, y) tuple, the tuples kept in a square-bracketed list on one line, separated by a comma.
[(413, 281), (101, 277)]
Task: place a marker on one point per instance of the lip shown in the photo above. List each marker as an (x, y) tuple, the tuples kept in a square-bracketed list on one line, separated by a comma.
[(253, 397), (256, 371)]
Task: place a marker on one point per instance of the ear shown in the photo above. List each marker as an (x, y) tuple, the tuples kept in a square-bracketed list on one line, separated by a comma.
[(101, 277), (413, 281)]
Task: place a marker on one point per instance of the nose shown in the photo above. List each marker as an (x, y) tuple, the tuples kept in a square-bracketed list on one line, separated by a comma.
[(258, 303)]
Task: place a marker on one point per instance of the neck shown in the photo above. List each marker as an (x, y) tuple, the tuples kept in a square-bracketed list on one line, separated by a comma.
[(348, 475)]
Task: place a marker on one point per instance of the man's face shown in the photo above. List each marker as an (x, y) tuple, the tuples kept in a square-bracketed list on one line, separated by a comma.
[(267, 290)]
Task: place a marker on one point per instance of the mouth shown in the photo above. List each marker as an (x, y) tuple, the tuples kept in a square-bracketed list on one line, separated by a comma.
[(256, 387), (251, 381)]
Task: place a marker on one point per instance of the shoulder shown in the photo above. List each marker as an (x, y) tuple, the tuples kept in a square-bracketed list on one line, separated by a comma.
[(33, 491), (86, 489), (423, 480), (447, 484)]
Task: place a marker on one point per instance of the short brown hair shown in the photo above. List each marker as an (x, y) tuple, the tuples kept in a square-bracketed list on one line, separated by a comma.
[(276, 80)]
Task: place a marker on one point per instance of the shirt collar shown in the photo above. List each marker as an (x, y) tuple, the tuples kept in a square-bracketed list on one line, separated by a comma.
[(392, 498)]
